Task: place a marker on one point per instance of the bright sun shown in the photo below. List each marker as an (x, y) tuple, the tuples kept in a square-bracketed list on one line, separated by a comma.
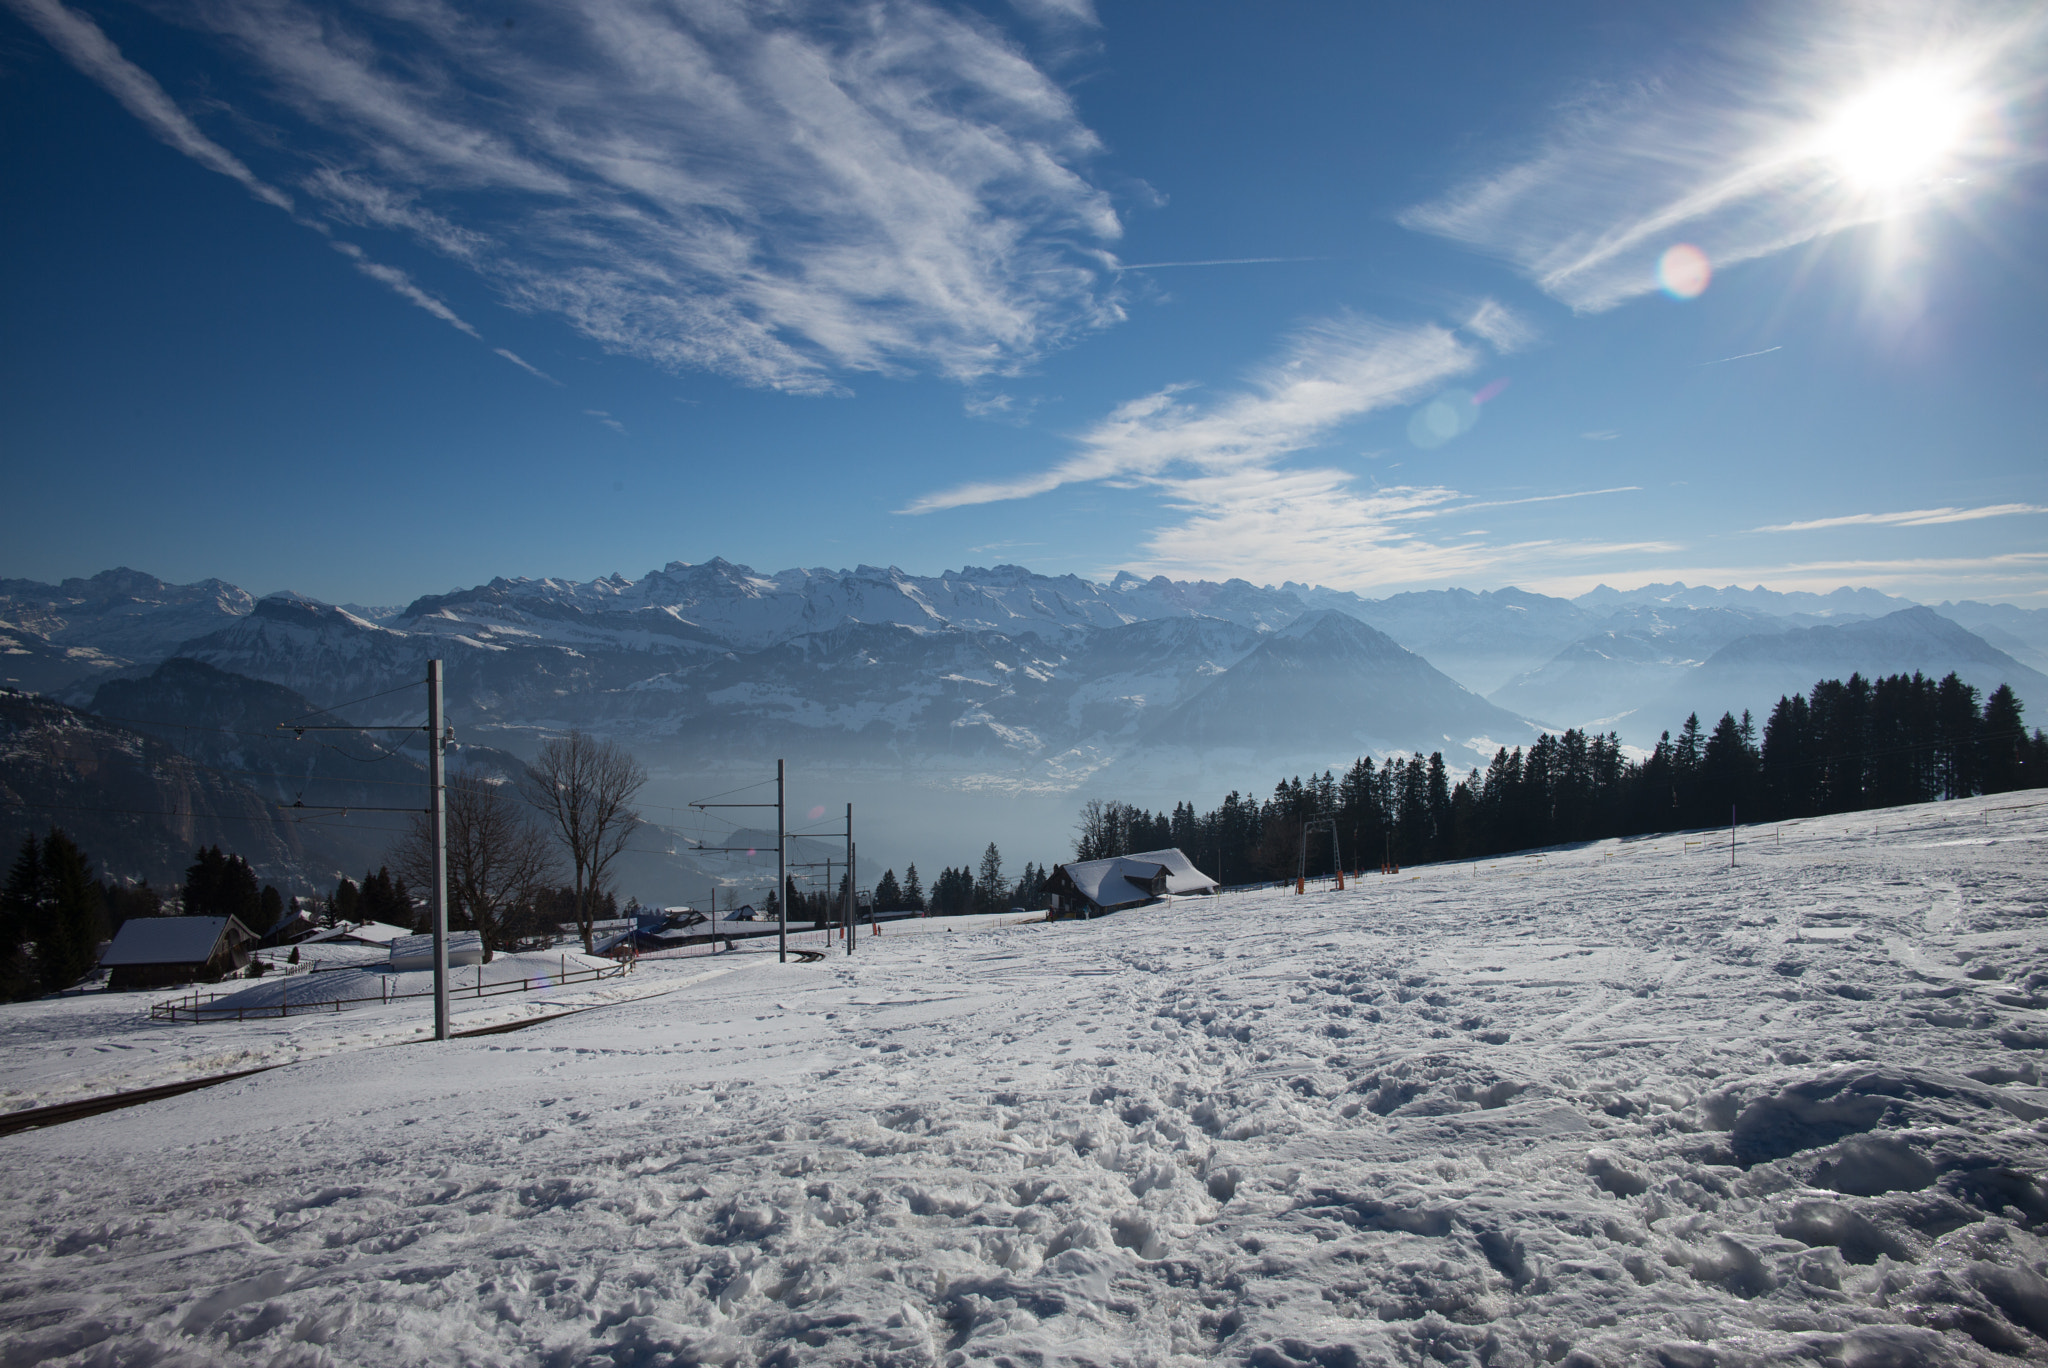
[(1898, 131)]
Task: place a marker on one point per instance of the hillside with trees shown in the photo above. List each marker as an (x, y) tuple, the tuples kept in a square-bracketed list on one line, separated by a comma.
[(1841, 747)]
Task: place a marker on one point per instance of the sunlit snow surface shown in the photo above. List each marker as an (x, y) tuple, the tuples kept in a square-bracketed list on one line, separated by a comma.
[(1618, 1105)]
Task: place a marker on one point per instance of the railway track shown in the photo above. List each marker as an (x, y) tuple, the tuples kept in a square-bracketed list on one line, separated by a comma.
[(39, 1118)]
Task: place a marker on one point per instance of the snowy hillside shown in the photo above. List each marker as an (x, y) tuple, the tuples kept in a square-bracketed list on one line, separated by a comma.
[(91, 627), (1614, 1105)]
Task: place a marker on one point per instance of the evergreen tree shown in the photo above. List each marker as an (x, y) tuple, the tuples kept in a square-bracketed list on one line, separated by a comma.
[(385, 899), (888, 895), (2002, 761), (1439, 807), (344, 904), (1728, 769), (1787, 771), (913, 890), (121, 903), (22, 908), (1957, 725), (67, 943), (218, 885), (270, 910), (988, 887)]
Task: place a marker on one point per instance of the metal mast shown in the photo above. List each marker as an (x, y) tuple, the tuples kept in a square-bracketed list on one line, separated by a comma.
[(437, 822), (781, 873)]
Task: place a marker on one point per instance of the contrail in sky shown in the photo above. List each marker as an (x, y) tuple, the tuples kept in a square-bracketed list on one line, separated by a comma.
[(1745, 356), (1230, 261)]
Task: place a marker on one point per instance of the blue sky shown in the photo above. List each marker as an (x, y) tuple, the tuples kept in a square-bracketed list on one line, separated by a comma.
[(374, 302)]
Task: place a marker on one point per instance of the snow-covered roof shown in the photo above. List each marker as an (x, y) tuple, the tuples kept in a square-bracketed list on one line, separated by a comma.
[(1125, 879), (1116, 882), (409, 952), (1181, 874), (363, 933), (284, 919), (166, 940)]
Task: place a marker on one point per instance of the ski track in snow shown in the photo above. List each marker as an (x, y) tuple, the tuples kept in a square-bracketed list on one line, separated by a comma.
[(1617, 1105)]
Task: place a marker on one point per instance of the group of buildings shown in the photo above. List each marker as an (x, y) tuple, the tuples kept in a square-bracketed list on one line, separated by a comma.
[(156, 952)]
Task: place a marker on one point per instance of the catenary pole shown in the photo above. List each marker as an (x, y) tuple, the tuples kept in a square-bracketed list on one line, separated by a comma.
[(437, 820), (846, 904), (781, 872)]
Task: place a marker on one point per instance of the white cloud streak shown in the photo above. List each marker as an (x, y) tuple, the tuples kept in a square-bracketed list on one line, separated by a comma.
[(402, 285), (1548, 498), (1500, 327), (1726, 154), (2015, 574), (526, 366), (1314, 526), (1917, 517), (782, 194), (1066, 12), (1332, 373), (1237, 511), (1741, 356), (90, 50), (1220, 261)]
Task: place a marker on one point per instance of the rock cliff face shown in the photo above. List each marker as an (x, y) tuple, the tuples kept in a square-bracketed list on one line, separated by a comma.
[(137, 807)]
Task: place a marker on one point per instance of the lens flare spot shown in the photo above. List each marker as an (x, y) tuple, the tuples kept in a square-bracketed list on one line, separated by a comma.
[(1491, 390), (817, 812), (1449, 415), (1684, 271)]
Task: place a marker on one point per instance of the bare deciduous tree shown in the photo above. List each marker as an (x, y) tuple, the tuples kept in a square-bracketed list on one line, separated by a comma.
[(583, 788), (497, 858)]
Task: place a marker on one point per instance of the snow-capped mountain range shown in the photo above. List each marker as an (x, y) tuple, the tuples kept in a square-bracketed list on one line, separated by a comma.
[(1005, 670)]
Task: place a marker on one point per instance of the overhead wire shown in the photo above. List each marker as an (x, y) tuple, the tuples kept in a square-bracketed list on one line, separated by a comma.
[(368, 698)]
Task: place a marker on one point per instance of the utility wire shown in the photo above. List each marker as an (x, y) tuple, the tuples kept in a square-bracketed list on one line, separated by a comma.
[(370, 698)]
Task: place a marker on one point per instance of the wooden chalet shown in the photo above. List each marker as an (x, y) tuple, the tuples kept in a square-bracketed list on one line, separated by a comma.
[(1089, 888), (155, 952)]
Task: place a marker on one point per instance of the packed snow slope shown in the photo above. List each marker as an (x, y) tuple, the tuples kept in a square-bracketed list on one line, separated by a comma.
[(1618, 1104)]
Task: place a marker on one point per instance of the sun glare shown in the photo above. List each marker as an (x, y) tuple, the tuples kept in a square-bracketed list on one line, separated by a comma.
[(1897, 132)]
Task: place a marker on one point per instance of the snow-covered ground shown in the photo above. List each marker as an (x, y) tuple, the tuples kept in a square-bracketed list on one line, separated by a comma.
[(67, 1049), (1617, 1105)]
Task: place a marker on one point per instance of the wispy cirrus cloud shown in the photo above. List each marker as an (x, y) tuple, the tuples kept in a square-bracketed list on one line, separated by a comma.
[(89, 49), (781, 194), (1916, 517), (1239, 507), (1075, 12), (1217, 261), (1732, 152), (535, 371), (1330, 373), (1315, 526), (403, 286), (2009, 575)]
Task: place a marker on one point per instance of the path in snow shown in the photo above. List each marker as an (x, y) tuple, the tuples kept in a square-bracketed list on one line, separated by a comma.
[(1617, 1105)]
